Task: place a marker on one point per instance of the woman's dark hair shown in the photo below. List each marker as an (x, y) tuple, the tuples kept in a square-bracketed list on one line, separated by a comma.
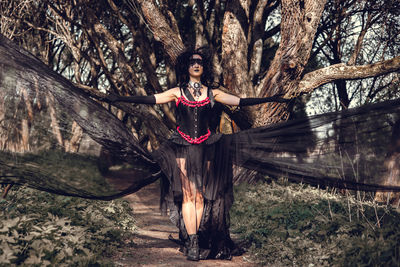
[(182, 66)]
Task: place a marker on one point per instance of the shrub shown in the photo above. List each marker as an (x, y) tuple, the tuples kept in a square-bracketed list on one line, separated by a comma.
[(43, 229)]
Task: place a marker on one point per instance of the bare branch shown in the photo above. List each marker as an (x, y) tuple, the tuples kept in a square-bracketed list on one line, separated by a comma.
[(314, 79), (257, 40), (272, 32), (200, 26), (161, 30), (360, 39)]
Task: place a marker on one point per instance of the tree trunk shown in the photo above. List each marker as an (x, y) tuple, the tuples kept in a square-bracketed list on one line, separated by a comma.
[(161, 30), (392, 163), (54, 122), (234, 49), (342, 93), (72, 145), (298, 27)]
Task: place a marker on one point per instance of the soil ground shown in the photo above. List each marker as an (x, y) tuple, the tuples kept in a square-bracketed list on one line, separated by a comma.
[(150, 245)]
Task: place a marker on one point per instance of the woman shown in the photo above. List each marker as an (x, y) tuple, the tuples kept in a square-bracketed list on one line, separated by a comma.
[(198, 184)]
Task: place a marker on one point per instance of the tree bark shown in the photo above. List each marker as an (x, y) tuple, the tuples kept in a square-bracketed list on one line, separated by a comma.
[(234, 49), (162, 32), (72, 145), (257, 35), (299, 21), (325, 75), (54, 122)]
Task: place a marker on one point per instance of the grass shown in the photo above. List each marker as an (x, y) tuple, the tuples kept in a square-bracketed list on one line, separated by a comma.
[(42, 229), (283, 224), (297, 225)]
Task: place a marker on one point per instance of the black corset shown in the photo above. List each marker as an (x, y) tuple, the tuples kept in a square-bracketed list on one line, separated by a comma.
[(193, 116), (193, 120)]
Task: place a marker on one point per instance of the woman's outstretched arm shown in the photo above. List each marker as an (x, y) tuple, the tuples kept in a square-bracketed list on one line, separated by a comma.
[(161, 98), (167, 96), (232, 100)]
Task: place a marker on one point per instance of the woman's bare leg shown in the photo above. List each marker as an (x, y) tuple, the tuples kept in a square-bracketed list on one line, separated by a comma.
[(189, 211), (199, 204)]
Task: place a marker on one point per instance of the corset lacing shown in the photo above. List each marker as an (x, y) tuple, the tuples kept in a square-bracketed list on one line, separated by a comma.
[(195, 105)]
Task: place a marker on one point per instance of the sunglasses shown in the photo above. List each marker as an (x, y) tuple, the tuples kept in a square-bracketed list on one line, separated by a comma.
[(193, 61)]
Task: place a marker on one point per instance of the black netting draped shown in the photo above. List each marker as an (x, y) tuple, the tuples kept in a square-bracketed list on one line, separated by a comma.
[(51, 134), (354, 149)]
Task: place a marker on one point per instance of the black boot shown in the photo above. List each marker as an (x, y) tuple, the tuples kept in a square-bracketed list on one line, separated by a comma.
[(193, 249)]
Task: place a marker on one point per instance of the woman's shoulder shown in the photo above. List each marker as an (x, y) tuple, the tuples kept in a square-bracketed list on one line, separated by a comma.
[(174, 89), (218, 90)]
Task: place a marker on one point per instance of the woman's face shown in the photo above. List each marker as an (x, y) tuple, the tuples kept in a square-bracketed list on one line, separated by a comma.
[(195, 66)]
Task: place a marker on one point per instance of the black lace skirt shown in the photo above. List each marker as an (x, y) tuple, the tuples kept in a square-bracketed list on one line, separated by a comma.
[(209, 167)]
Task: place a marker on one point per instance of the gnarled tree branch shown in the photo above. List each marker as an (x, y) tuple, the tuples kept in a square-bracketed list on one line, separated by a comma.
[(316, 78), (161, 30)]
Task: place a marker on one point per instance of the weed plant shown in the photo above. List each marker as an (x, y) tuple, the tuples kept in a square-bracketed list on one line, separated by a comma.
[(42, 229), (298, 225)]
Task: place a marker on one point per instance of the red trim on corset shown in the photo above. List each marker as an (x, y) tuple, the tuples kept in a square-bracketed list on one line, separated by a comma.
[(177, 102), (195, 141), (192, 104)]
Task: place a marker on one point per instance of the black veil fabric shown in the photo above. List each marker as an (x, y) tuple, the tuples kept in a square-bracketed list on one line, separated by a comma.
[(354, 149), (42, 115)]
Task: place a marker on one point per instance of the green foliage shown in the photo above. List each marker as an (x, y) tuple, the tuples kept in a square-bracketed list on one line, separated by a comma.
[(297, 225), (43, 229)]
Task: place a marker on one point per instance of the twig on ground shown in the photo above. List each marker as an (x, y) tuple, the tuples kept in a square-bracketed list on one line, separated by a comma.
[(376, 215), (330, 210)]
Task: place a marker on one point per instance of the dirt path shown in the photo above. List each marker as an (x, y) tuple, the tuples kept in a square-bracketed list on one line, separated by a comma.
[(151, 244)]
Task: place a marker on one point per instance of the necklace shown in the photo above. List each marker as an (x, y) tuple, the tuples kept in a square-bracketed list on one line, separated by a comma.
[(196, 88)]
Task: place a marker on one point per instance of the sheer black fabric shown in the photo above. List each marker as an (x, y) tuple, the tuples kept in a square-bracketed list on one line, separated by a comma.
[(51, 134), (151, 100), (348, 149)]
